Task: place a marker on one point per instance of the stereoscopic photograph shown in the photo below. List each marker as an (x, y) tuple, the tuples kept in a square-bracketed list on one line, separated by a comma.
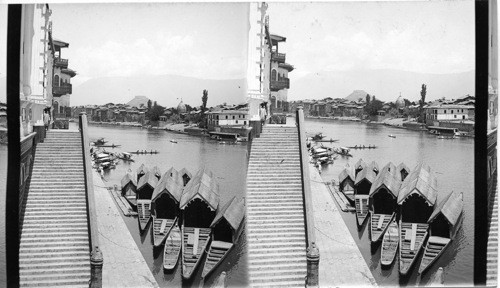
[(248, 144)]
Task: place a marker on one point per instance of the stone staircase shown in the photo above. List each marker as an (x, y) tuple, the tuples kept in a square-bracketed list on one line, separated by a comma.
[(492, 249), (275, 214), (54, 248)]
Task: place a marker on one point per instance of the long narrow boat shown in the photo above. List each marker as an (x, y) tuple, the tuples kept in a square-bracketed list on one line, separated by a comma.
[(362, 187), (416, 198), (145, 188), (390, 244), (199, 203), (444, 224), (383, 201), (129, 189), (172, 250), (165, 205), (226, 229)]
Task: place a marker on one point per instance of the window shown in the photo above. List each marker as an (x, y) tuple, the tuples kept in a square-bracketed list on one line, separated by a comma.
[(226, 117), (463, 117), (236, 121), (273, 75), (56, 80), (445, 111), (234, 117), (455, 116), (451, 111)]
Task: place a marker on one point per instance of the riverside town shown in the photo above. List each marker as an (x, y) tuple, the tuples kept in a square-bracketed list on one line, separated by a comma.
[(230, 147)]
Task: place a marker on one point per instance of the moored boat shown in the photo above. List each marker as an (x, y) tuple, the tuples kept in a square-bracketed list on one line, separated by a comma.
[(125, 156), (343, 151), (416, 199), (444, 224), (346, 184), (199, 203), (129, 189), (145, 189), (390, 244), (172, 250), (226, 229), (165, 205), (362, 187)]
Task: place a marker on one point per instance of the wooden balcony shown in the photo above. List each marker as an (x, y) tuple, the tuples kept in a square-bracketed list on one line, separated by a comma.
[(278, 57), (276, 85), (59, 62), (64, 89)]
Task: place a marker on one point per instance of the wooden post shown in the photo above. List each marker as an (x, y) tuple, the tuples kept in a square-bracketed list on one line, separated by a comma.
[(312, 278), (96, 262)]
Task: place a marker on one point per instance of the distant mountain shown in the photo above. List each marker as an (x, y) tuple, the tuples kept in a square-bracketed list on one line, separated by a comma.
[(138, 100), (385, 84), (167, 90), (357, 95)]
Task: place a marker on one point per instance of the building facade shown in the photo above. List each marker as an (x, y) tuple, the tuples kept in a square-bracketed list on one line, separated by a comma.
[(61, 86), (447, 112), (280, 83)]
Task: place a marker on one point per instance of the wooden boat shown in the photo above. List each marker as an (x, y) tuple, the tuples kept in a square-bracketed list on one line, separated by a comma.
[(392, 136), (144, 152), (346, 184), (390, 244), (416, 198), (226, 227), (165, 205), (362, 147), (199, 203), (383, 201), (362, 211), (444, 224), (129, 189), (145, 189), (125, 156), (327, 140), (362, 186), (172, 250), (108, 146), (343, 151), (100, 141), (173, 141), (317, 137)]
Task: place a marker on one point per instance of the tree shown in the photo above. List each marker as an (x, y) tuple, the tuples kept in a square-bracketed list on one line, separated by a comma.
[(204, 100), (149, 105), (155, 112), (423, 92), (367, 99), (373, 107)]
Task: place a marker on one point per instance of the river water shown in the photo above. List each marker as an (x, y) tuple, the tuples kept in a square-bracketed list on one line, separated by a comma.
[(451, 160), (227, 162)]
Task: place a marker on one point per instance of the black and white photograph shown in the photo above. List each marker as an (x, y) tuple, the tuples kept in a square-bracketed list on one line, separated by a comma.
[(249, 144)]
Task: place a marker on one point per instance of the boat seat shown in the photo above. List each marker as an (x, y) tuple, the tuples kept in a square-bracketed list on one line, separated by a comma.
[(196, 241)]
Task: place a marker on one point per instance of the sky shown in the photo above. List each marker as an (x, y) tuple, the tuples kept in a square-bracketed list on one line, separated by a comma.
[(418, 36), (209, 40)]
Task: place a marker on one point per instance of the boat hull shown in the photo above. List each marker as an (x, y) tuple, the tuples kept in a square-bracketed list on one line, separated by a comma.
[(161, 228), (362, 212), (217, 251), (172, 250), (390, 244), (411, 239), (194, 243), (379, 224), (143, 213), (433, 249)]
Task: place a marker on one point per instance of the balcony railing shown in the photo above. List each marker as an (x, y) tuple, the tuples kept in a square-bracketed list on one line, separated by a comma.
[(63, 63), (276, 85), (278, 57), (62, 90)]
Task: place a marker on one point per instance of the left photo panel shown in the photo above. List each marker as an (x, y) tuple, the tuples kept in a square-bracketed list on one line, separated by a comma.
[(126, 177)]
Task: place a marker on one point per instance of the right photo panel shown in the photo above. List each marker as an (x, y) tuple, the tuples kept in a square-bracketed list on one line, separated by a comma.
[(361, 160)]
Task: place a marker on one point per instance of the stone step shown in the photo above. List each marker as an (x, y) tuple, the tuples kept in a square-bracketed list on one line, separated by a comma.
[(49, 238), (38, 235), (84, 259), (257, 252), (66, 282), (55, 244), (292, 281), (82, 248)]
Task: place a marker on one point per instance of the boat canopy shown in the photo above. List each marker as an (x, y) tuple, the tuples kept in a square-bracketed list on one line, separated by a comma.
[(402, 166), (142, 169), (421, 181), (233, 211), (388, 180), (204, 186), (451, 208), (367, 174), (129, 178), (374, 166), (171, 183), (148, 178), (346, 173), (184, 171), (156, 171), (360, 164), (391, 168)]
